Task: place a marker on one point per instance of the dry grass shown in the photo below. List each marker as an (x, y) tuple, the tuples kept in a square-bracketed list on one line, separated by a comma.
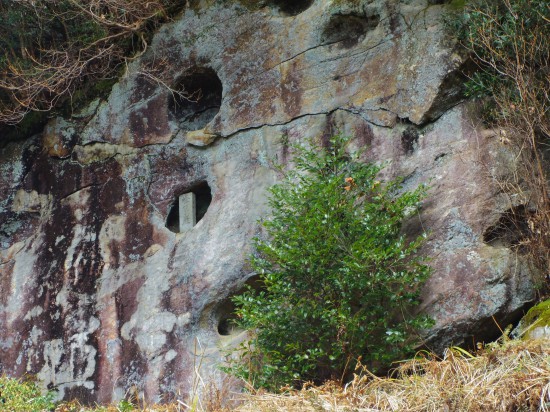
[(514, 376), (510, 377)]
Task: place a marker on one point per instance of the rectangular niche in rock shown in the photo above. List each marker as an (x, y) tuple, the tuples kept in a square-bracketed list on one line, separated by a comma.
[(189, 208)]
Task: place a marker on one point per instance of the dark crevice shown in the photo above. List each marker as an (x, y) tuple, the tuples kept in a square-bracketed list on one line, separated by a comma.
[(361, 114), (326, 113), (173, 218), (246, 129), (440, 156), (409, 139), (490, 329)]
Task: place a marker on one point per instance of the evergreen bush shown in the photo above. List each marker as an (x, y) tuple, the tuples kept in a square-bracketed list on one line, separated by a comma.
[(23, 396), (338, 277)]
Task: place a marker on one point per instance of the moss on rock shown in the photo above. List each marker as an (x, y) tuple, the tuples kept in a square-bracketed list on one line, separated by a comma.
[(536, 323)]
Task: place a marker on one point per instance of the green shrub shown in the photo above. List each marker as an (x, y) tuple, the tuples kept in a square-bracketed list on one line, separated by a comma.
[(338, 277), (17, 395)]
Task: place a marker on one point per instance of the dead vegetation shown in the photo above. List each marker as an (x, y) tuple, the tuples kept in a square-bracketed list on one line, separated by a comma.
[(512, 376), (52, 48), (509, 41)]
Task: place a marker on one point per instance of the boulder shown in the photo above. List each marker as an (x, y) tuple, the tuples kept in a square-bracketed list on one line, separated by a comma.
[(101, 294)]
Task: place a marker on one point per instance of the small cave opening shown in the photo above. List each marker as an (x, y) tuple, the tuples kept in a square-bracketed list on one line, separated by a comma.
[(348, 29), (290, 7), (225, 313), (226, 320), (512, 229), (197, 99), (189, 208)]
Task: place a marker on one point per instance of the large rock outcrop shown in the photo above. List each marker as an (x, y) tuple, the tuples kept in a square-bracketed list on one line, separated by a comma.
[(99, 292)]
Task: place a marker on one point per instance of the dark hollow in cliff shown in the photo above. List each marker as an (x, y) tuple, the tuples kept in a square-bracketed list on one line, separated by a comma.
[(409, 139), (512, 228), (226, 319), (348, 29), (291, 7), (198, 98), (225, 312), (203, 198)]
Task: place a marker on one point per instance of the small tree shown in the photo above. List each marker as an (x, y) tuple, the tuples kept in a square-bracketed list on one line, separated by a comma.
[(338, 277)]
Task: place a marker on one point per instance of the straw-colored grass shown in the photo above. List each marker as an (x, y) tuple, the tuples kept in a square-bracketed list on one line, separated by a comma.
[(509, 377)]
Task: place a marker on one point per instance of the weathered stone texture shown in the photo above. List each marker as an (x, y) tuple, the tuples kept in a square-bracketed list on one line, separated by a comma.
[(98, 296)]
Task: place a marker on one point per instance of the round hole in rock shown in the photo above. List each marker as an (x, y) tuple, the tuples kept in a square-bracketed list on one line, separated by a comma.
[(291, 7), (348, 29), (225, 313), (198, 99), (202, 197)]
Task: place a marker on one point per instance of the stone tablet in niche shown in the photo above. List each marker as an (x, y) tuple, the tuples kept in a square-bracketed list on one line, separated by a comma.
[(189, 208), (187, 211)]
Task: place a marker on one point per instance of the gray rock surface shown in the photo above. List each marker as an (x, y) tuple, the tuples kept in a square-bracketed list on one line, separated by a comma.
[(100, 295)]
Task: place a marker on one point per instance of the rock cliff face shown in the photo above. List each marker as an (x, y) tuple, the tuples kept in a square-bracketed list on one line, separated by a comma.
[(100, 292)]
